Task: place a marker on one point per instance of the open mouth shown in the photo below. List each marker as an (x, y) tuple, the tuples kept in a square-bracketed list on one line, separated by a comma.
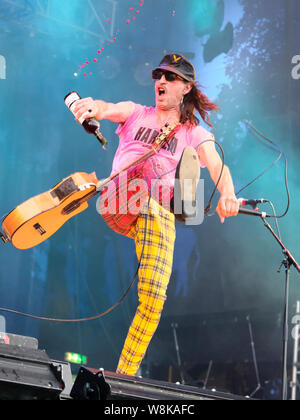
[(161, 91)]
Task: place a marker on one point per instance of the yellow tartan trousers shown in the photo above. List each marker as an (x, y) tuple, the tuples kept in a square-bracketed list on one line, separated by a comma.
[(157, 230)]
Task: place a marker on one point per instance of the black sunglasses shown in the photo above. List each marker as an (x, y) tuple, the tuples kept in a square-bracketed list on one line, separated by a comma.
[(170, 77)]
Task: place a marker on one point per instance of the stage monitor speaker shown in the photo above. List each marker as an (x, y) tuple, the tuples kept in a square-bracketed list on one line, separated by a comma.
[(19, 340), (90, 385), (27, 373), (124, 387)]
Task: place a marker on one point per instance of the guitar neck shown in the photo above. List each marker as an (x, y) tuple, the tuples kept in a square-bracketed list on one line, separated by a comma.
[(158, 144), (101, 184), (130, 165), (162, 139)]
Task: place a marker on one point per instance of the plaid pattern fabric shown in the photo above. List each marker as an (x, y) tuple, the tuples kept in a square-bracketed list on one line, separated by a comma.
[(122, 217), (154, 274)]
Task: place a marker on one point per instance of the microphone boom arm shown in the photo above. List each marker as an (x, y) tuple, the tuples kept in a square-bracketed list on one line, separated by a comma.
[(290, 259), (249, 212)]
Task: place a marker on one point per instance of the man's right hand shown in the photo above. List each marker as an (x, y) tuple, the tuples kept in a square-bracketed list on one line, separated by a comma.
[(86, 108), (89, 108)]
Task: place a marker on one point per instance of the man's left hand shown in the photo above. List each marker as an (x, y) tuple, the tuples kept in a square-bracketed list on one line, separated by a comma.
[(228, 206)]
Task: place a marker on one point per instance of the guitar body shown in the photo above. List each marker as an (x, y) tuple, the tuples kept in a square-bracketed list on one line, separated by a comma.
[(38, 218)]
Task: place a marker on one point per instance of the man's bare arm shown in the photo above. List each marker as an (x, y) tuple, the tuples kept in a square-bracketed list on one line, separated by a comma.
[(88, 108)]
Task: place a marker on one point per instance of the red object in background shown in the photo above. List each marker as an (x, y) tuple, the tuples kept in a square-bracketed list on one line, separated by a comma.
[(4, 338)]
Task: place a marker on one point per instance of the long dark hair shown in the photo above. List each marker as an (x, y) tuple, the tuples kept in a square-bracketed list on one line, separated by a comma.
[(193, 101)]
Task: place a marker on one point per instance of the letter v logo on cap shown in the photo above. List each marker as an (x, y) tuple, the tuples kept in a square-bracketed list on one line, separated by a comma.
[(176, 58)]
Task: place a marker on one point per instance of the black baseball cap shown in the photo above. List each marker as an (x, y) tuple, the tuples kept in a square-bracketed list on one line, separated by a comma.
[(178, 64)]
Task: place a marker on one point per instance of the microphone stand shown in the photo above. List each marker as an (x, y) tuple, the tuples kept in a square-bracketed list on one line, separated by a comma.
[(288, 261), (174, 327), (258, 387), (207, 374)]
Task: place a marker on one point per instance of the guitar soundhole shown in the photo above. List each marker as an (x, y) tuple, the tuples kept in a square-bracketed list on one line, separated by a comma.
[(39, 228), (65, 189)]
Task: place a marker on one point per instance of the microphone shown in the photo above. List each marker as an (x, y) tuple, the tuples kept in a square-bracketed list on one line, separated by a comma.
[(249, 212), (252, 202)]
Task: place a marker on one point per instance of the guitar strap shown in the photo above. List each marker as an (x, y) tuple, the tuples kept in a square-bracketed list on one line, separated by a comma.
[(121, 219), (135, 171), (164, 138)]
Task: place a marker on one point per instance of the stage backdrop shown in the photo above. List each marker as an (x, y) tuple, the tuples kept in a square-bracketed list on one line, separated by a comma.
[(247, 57)]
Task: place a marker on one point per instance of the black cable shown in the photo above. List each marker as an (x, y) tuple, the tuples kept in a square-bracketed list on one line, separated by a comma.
[(41, 318), (260, 175), (139, 263), (208, 207), (276, 221), (273, 146)]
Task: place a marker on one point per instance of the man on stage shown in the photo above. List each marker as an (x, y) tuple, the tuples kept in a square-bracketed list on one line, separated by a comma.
[(177, 99)]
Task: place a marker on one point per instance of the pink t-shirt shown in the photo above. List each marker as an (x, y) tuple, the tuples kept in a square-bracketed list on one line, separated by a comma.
[(138, 133)]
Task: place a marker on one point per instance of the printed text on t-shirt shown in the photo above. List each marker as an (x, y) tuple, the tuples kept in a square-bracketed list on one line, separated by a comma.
[(148, 136)]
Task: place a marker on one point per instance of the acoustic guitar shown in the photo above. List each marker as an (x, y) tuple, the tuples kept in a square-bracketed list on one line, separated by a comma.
[(38, 218)]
